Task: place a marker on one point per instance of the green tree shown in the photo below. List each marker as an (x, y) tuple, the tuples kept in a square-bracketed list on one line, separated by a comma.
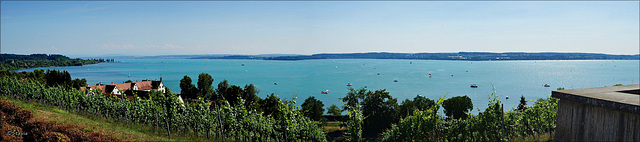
[(313, 108), (523, 104), (271, 105), (457, 107), (378, 108), (230, 93), (188, 90), (77, 83), (354, 97), (251, 97), (334, 110), (204, 86), (418, 103)]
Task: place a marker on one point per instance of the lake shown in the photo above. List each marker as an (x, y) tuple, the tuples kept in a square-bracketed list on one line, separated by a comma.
[(306, 78)]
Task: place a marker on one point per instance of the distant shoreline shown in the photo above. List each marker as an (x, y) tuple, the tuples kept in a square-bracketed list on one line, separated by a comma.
[(460, 56)]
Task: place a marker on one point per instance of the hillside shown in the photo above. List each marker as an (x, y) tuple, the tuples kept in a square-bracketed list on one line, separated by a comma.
[(15, 62)]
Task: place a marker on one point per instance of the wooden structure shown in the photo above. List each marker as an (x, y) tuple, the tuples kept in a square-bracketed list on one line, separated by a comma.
[(598, 114)]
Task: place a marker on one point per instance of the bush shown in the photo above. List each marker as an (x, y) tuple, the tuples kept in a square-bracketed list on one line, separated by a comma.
[(4, 132), (21, 117), (8, 108), (54, 136)]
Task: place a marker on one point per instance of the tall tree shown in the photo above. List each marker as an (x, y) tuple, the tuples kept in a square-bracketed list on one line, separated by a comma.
[(251, 97), (313, 108), (204, 86), (456, 107), (334, 110), (188, 90), (378, 107), (523, 104)]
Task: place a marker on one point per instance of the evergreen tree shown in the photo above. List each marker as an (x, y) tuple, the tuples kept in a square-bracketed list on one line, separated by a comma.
[(523, 104)]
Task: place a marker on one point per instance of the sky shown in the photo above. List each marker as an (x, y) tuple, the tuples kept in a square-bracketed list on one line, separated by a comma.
[(148, 28)]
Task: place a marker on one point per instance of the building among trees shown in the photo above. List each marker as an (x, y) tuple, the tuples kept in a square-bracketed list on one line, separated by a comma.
[(140, 88)]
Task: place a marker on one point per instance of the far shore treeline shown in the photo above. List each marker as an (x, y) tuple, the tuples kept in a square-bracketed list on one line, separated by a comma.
[(15, 62), (468, 56)]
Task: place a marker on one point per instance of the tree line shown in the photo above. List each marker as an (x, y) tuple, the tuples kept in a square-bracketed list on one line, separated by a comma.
[(50, 78), (15, 62)]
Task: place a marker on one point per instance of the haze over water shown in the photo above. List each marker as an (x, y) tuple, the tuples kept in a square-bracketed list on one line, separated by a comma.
[(309, 77)]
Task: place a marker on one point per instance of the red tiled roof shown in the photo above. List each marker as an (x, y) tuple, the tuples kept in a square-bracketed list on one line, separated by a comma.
[(142, 85)]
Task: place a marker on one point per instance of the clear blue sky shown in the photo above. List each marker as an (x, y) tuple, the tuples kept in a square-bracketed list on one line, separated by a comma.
[(143, 28)]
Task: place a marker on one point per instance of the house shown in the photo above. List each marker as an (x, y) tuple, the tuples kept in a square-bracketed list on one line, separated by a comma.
[(141, 88)]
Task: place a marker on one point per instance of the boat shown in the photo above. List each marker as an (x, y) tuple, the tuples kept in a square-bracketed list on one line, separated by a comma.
[(325, 92), (395, 80), (378, 73), (547, 85), (507, 97), (349, 84), (474, 86), (275, 83), (242, 64)]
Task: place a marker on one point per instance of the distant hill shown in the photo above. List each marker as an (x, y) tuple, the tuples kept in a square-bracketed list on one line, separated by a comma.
[(472, 56), (15, 61)]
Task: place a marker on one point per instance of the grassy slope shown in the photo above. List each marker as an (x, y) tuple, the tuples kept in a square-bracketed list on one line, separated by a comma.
[(100, 125)]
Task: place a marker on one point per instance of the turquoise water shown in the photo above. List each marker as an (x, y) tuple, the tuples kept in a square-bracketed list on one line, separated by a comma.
[(309, 77)]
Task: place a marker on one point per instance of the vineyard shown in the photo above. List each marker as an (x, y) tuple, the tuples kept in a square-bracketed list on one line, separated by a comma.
[(169, 116), (492, 124), (218, 120)]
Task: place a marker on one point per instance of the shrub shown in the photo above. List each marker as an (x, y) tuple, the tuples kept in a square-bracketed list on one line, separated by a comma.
[(8, 108), (54, 136), (4, 130), (21, 117)]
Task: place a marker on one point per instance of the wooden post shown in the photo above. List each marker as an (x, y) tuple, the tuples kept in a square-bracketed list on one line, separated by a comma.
[(220, 122), (502, 120), (166, 122)]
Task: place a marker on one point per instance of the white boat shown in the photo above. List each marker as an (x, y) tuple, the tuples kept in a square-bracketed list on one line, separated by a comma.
[(349, 84)]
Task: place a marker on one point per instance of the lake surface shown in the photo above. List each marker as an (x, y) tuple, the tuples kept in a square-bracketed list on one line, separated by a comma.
[(309, 77)]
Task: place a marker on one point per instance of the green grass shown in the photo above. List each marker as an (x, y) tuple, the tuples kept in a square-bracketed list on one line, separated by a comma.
[(104, 126), (544, 137)]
